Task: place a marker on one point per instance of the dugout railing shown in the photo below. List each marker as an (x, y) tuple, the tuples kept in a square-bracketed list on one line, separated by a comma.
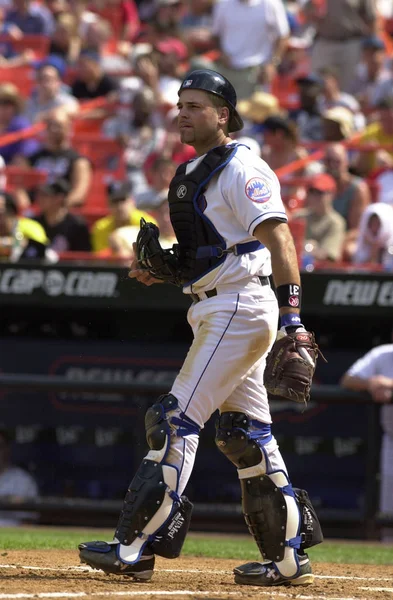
[(61, 510)]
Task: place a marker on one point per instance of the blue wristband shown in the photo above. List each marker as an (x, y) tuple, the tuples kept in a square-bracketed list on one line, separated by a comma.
[(290, 320)]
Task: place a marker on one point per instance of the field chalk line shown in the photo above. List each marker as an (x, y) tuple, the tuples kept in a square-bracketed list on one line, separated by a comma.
[(162, 593), (87, 569)]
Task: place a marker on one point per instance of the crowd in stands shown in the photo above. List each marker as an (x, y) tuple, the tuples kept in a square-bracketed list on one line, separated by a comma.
[(88, 137)]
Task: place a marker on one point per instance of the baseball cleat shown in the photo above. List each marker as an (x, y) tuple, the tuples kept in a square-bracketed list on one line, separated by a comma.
[(267, 574), (104, 556)]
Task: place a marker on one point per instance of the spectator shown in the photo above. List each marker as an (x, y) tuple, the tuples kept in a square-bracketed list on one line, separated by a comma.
[(381, 181), (166, 81), (12, 120), (123, 213), (332, 97), (166, 19), (325, 228), (255, 110), (65, 41), (139, 135), (20, 237), (340, 25), (161, 172), (84, 16), (49, 94), (379, 132), (59, 160), (375, 240), (27, 18), (373, 373), (249, 34), (352, 194), (281, 143), (91, 81), (9, 57), (308, 116), (338, 124), (162, 216), (65, 231), (372, 75), (16, 484), (197, 23)]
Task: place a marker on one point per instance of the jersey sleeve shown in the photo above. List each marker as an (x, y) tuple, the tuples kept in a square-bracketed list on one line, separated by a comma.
[(254, 195), (366, 366)]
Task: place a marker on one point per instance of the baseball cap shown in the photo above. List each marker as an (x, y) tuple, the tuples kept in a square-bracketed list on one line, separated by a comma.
[(373, 42), (118, 191), (311, 79), (55, 61), (172, 46), (322, 182), (277, 123), (60, 186)]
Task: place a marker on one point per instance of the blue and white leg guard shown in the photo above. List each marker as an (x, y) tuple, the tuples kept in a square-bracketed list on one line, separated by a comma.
[(152, 505), (269, 505)]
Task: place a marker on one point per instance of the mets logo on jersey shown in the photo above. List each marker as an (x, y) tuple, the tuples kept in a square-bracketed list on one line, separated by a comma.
[(258, 190)]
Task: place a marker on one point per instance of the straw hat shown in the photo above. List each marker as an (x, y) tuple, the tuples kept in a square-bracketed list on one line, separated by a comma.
[(259, 107), (9, 93), (343, 117)]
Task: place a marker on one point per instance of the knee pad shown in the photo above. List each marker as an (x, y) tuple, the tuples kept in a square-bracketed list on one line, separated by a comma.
[(152, 510), (268, 500)]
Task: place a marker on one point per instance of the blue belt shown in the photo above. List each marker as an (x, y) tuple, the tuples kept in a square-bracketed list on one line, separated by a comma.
[(218, 251)]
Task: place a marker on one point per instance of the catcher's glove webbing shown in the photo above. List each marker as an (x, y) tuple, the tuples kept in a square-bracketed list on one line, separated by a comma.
[(290, 366), (161, 264)]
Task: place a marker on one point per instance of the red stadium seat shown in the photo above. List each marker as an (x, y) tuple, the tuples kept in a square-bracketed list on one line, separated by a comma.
[(22, 77), (39, 44), (106, 156), (26, 178)]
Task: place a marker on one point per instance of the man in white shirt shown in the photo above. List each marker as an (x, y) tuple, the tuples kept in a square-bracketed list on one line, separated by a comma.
[(250, 33), (15, 483), (374, 373)]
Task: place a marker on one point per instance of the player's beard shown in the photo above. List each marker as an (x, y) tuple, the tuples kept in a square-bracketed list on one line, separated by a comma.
[(187, 135)]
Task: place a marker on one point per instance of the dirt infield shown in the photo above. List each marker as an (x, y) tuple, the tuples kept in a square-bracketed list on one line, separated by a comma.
[(49, 574)]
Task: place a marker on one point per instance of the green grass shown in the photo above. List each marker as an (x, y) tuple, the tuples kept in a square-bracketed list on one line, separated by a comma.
[(231, 547)]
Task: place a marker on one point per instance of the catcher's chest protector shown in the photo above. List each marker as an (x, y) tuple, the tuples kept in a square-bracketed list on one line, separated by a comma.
[(200, 245)]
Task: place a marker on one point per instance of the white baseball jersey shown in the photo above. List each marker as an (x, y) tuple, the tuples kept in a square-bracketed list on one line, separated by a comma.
[(245, 193), (379, 361)]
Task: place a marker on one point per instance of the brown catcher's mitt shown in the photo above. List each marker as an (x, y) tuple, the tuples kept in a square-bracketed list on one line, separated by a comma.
[(290, 366)]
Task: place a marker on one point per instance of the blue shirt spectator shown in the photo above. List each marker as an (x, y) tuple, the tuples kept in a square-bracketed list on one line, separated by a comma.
[(11, 120), (26, 18)]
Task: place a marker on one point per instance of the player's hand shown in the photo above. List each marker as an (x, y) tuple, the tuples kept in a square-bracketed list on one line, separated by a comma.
[(141, 275), (381, 388)]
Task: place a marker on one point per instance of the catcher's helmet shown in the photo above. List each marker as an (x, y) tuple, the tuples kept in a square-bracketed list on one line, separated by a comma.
[(215, 83)]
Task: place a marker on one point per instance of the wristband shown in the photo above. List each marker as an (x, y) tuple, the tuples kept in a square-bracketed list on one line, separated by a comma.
[(289, 295), (290, 320)]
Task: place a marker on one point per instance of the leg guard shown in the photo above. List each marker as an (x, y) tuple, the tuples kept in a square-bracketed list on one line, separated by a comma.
[(268, 500), (153, 513)]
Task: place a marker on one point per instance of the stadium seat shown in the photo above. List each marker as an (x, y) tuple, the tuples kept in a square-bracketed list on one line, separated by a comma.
[(105, 155), (22, 77), (39, 44), (20, 177)]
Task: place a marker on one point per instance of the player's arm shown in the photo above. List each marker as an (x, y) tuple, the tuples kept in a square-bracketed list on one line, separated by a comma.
[(277, 238), (352, 382)]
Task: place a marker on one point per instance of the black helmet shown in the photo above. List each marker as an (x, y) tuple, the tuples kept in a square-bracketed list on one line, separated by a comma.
[(215, 83)]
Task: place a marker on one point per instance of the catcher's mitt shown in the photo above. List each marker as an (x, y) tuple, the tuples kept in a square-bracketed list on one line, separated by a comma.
[(290, 366), (162, 264)]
